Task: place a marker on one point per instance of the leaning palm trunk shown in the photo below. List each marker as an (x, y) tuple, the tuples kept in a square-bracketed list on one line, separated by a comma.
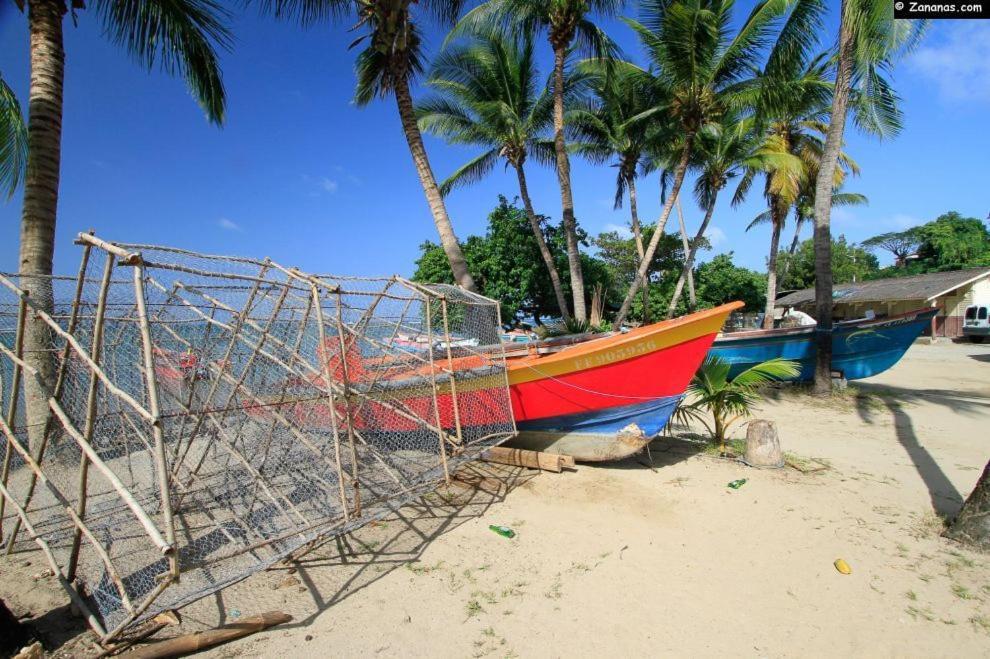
[(534, 223), (793, 248), (661, 223), (448, 239), (823, 203), (41, 202), (777, 226), (692, 298), (638, 236), (564, 177), (691, 252)]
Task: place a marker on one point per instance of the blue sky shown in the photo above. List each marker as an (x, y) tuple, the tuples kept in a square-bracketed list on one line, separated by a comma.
[(299, 174)]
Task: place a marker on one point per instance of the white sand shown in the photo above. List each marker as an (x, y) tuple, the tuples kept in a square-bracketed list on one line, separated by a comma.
[(621, 560)]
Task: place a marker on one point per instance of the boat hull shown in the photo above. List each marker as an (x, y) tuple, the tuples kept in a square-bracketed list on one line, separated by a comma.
[(607, 398), (859, 349)]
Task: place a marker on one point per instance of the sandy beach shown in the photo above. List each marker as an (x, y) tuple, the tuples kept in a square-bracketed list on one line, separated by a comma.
[(626, 559)]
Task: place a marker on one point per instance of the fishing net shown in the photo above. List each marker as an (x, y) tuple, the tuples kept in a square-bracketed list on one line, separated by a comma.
[(190, 419)]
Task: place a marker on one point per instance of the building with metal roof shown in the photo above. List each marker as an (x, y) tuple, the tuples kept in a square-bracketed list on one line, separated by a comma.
[(951, 291)]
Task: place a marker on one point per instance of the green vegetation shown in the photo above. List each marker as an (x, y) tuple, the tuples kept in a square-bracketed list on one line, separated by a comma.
[(728, 401), (850, 262), (950, 242)]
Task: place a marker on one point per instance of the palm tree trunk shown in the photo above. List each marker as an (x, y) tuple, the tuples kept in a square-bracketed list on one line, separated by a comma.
[(972, 524), (692, 297), (798, 221), (37, 247), (638, 236), (564, 177), (661, 223), (691, 252), (778, 225), (823, 203), (534, 223), (448, 239)]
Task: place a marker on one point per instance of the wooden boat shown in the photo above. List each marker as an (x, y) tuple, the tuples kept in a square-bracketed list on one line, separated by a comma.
[(606, 398), (860, 348), (595, 399)]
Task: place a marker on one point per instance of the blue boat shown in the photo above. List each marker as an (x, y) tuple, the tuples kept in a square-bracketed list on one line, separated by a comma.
[(860, 348)]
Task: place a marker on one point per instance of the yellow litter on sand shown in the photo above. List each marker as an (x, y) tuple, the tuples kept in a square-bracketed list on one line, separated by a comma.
[(842, 566)]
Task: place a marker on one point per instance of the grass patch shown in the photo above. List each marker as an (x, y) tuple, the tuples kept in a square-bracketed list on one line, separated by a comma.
[(924, 613), (981, 622), (928, 525), (962, 592), (911, 595), (473, 608), (556, 589)]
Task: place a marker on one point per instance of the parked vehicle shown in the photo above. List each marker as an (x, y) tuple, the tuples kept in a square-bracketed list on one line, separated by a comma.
[(976, 323)]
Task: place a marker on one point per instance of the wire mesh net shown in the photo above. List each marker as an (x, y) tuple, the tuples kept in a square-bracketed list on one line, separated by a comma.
[(173, 422)]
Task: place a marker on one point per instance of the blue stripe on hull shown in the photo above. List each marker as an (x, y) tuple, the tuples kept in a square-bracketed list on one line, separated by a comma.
[(651, 416), (857, 352)]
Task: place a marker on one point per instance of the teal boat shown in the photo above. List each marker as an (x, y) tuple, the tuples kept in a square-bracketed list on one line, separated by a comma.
[(860, 348)]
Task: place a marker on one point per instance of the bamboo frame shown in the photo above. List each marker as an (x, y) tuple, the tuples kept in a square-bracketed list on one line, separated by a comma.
[(240, 454)]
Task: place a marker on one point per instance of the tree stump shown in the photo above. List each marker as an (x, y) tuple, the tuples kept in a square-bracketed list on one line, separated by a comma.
[(972, 524), (763, 445)]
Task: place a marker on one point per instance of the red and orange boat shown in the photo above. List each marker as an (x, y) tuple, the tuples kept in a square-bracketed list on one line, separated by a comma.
[(596, 400), (606, 398)]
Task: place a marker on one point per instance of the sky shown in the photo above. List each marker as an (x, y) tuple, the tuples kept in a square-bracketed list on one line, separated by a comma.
[(300, 174)]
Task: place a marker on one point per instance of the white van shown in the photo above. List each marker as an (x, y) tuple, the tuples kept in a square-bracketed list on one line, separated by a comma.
[(976, 322)]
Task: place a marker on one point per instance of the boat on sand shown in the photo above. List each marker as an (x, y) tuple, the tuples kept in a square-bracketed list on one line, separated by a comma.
[(860, 348), (606, 398)]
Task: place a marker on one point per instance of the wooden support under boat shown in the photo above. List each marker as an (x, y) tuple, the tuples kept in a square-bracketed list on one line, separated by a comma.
[(585, 447), (518, 457)]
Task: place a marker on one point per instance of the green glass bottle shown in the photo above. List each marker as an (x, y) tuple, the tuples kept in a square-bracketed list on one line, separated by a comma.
[(735, 485), (503, 531)]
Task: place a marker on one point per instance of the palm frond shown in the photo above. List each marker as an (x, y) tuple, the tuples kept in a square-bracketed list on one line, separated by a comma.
[(181, 36), (13, 140), (472, 171)]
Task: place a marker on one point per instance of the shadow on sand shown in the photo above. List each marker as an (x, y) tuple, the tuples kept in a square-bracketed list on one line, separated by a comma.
[(946, 499)]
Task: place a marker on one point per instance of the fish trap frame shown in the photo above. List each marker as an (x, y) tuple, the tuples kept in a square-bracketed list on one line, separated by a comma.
[(191, 419)]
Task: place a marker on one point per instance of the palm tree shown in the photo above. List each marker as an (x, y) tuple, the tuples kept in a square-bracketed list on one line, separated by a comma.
[(724, 151), (566, 24), (728, 400), (608, 128), (804, 212), (702, 72), (869, 42), (13, 140), (490, 95), (179, 36), (393, 56), (790, 98)]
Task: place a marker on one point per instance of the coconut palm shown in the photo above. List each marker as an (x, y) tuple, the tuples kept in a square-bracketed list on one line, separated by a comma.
[(804, 212), (13, 140), (728, 401), (490, 95), (608, 129), (869, 43), (566, 24), (724, 151), (181, 37), (391, 58), (703, 70)]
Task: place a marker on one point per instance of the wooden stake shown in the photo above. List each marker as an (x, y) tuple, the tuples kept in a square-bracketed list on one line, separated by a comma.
[(189, 643), (518, 457)]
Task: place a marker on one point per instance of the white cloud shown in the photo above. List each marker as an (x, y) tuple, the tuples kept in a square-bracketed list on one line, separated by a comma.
[(715, 236), (620, 229), (955, 58), (842, 215), (328, 185), (228, 224)]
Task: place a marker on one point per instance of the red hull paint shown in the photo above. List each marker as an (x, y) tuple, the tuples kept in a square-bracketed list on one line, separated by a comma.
[(665, 372)]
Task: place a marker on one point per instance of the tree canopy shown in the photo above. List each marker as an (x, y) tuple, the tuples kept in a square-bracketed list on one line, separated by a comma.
[(850, 262), (950, 242)]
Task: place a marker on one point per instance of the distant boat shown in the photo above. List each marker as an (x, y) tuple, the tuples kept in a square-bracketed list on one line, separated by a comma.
[(606, 398), (860, 348)]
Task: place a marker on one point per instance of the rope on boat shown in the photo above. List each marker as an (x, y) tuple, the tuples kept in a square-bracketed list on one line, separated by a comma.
[(589, 391)]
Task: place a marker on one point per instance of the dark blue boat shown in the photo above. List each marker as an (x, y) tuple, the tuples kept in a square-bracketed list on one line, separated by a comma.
[(860, 348)]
